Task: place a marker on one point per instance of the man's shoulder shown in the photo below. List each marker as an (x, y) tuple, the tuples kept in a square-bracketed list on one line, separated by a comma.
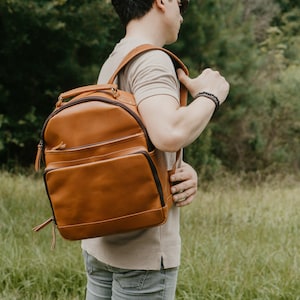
[(156, 56), (148, 59), (150, 63)]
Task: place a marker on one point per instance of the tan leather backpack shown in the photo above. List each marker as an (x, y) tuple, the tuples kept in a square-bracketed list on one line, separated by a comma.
[(102, 173)]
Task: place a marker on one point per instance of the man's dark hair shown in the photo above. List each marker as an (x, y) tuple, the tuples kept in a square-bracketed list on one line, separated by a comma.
[(131, 9)]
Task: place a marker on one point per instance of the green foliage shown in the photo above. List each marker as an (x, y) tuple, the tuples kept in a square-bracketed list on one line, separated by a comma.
[(224, 40), (49, 46), (275, 118), (255, 129)]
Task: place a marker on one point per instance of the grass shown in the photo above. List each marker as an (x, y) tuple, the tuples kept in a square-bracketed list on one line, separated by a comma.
[(240, 241), (29, 268)]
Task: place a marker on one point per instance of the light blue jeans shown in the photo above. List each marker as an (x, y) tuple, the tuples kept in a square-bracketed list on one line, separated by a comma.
[(106, 282)]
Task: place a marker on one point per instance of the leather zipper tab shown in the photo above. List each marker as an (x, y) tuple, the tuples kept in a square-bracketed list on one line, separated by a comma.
[(41, 226), (37, 164)]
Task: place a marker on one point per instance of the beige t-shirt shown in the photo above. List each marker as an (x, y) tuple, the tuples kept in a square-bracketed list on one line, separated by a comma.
[(151, 73)]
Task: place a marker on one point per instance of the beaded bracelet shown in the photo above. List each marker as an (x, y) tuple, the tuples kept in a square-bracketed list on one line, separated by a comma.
[(211, 97)]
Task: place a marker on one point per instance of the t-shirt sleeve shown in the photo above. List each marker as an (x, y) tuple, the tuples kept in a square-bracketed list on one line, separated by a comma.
[(151, 74)]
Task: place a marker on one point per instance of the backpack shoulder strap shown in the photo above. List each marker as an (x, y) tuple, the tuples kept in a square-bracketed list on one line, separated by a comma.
[(147, 47)]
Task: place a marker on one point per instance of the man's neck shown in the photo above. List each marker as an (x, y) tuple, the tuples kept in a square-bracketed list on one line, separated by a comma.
[(147, 28)]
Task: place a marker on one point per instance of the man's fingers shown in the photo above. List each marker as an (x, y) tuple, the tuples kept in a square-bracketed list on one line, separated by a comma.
[(183, 78)]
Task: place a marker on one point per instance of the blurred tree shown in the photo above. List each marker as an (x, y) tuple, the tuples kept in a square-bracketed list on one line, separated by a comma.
[(47, 46), (238, 39), (278, 127), (222, 36)]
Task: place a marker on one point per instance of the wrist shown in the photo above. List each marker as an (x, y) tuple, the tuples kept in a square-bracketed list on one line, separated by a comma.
[(210, 96)]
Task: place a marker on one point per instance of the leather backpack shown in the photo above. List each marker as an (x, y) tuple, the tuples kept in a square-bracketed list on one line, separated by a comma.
[(102, 173)]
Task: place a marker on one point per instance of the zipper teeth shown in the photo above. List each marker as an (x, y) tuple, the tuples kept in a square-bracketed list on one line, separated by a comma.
[(97, 144), (100, 99), (47, 191), (156, 177)]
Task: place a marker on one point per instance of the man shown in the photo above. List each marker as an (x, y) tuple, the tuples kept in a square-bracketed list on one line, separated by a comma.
[(144, 264)]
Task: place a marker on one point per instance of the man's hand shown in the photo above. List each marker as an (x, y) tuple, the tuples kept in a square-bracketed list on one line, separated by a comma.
[(208, 81), (185, 180)]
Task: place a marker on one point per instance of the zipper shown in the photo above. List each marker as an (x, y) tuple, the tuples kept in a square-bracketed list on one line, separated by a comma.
[(152, 167), (155, 175), (90, 146), (47, 191), (105, 100)]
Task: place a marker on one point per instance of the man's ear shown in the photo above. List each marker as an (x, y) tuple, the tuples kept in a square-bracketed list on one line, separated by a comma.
[(160, 5)]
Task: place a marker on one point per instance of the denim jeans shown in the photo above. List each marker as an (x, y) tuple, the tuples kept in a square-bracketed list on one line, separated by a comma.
[(106, 282)]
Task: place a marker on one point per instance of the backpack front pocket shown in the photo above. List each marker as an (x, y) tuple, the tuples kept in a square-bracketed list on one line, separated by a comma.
[(107, 190)]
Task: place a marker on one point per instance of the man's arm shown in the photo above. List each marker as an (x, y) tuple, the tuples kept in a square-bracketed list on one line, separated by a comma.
[(171, 127)]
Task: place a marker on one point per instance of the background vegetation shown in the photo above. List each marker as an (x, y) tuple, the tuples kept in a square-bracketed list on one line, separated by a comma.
[(240, 242), (49, 46)]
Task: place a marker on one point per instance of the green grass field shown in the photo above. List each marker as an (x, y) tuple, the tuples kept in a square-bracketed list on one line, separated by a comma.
[(240, 241)]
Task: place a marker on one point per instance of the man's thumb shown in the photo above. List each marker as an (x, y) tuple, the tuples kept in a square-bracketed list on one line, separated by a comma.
[(183, 78)]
